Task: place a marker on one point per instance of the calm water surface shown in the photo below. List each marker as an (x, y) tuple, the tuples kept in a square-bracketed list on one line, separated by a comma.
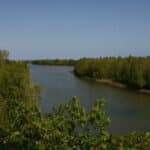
[(128, 110)]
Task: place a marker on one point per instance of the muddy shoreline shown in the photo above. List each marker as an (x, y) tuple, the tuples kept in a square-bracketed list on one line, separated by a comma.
[(116, 84)]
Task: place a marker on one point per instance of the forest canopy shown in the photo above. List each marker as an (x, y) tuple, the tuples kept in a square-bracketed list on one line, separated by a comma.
[(132, 71)]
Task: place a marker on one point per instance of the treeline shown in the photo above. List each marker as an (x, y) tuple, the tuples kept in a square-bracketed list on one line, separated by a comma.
[(68, 62), (132, 71), (68, 127)]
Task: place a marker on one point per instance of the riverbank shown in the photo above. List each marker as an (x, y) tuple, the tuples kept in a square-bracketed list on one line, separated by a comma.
[(132, 71), (107, 81), (144, 91), (112, 83), (116, 84)]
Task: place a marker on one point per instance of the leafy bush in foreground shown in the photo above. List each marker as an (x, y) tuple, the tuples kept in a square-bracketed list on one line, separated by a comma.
[(69, 126)]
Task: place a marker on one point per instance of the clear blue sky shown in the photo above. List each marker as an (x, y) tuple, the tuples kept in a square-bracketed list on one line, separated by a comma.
[(33, 29)]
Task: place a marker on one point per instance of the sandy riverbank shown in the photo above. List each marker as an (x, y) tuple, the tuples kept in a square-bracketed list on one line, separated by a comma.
[(112, 83), (117, 84), (144, 91)]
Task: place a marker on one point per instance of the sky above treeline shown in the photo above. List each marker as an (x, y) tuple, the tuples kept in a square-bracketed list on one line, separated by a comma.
[(34, 29)]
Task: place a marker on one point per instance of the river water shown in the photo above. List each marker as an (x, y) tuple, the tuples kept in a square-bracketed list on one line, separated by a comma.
[(128, 110)]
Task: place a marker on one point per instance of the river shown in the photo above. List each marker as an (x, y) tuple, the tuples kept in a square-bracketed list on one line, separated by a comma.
[(128, 110)]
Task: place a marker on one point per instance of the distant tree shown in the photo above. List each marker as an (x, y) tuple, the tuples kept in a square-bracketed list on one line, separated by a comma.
[(4, 55)]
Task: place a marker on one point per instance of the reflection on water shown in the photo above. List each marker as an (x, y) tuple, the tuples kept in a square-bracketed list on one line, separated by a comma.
[(128, 110)]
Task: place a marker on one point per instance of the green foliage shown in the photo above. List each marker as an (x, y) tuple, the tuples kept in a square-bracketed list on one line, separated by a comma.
[(4, 55), (133, 141), (16, 93), (67, 127), (132, 71), (54, 62), (70, 126)]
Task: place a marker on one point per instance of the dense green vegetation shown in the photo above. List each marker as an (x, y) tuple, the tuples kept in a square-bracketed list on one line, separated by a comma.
[(132, 71), (68, 127), (54, 62)]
